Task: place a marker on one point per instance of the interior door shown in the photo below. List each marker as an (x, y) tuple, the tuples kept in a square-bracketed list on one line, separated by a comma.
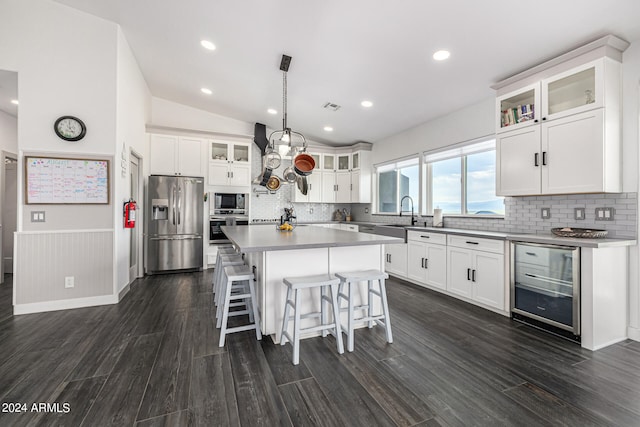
[(134, 236)]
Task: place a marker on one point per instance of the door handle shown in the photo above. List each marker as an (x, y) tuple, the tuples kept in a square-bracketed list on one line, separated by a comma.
[(473, 275), (179, 203), (173, 190), (468, 274), (544, 158), (536, 157)]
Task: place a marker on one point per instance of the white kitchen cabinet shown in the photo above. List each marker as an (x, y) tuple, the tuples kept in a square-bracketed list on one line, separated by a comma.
[(328, 193), (349, 227), (476, 274), (328, 162), (427, 259), (396, 259), (175, 155), (562, 134), (314, 189), (229, 164), (343, 187), (344, 162)]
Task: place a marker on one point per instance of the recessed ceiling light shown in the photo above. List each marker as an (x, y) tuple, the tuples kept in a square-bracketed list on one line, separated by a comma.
[(208, 45), (206, 91), (441, 55), (366, 104), (328, 129), (14, 101), (272, 111)]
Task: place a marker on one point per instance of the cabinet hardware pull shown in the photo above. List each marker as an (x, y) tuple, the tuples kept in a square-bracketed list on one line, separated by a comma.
[(473, 275), (426, 263), (535, 121), (422, 262), (426, 237), (535, 159), (544, 158), (472, 243), (468, 274), (253, 270), (389, 257), (544, 118), (531, 253)]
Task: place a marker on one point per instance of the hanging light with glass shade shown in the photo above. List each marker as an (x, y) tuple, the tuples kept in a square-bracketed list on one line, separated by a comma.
[(286, 142)]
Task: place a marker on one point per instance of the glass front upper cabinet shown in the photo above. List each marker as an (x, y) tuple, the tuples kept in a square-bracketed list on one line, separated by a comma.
[(328, 162), (343, 162), (519, 108), (574, 91), (240, 153)]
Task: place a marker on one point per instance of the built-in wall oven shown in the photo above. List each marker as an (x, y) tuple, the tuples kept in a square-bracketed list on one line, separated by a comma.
[(215, 222), (545, 287)]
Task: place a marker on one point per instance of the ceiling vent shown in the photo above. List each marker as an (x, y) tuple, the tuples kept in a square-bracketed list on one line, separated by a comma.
[(331, 106)]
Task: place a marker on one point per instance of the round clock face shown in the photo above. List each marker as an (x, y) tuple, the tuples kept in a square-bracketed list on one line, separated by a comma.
[(70, 128)]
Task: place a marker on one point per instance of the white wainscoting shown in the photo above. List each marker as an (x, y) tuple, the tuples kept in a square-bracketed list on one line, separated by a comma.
[(44, 258)]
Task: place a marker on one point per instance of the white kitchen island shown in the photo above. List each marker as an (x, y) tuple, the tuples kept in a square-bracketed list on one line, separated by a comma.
[(307, 250)]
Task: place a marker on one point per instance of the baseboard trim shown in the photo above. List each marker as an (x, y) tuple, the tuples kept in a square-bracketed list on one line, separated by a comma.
[(67, 304), (633, 333), (123, 292)]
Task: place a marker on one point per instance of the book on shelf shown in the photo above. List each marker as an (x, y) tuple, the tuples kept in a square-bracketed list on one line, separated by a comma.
[(518, 114)]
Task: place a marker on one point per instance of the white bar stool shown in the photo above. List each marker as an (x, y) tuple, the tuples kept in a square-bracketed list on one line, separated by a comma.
[(232, 275), (294, 284), (351, 280), (222, 261)]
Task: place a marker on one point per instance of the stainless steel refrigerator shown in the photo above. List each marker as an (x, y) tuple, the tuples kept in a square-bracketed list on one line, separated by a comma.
[(175, 223)]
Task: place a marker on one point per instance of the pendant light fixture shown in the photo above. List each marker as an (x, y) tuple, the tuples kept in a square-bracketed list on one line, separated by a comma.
[(286, 142)]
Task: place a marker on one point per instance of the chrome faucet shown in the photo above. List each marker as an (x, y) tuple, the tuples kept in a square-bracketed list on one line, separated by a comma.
[(414, 220)]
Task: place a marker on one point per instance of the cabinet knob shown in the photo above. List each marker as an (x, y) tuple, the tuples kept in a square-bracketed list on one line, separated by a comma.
[(544, 118), (535, 121)]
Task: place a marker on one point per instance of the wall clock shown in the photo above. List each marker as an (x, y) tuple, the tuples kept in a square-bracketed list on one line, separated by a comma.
[(70, 128)]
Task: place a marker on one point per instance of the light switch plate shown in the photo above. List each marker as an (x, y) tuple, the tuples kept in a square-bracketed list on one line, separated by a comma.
[(578, 214), (37, 216), (605, 214), (545, 213)]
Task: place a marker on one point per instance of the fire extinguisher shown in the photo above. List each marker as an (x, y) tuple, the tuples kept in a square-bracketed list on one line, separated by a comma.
[(130, 214)]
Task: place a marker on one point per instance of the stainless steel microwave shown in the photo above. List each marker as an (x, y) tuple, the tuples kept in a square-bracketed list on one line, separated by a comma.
[(229, 203)]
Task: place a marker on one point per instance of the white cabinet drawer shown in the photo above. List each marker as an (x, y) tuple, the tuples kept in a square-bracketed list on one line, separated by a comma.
[(426, 237), (535, 255), (476, 243)]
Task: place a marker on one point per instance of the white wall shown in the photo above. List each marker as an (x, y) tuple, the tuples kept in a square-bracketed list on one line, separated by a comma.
[(94, 77), (472, 122), (631, 139), (133, 112), (78, 80)]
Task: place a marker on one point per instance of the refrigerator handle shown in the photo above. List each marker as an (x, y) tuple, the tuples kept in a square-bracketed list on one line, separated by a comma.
[(173, 190), (179, 202)]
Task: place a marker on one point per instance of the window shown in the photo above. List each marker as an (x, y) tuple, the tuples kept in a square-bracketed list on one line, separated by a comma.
[(462, 180), (395, 181)]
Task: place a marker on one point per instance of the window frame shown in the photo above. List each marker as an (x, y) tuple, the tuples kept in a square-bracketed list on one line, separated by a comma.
[(427, 175), (397, 164)]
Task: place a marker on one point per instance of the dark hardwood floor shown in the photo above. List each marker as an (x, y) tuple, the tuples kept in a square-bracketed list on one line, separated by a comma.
[(153, 360)]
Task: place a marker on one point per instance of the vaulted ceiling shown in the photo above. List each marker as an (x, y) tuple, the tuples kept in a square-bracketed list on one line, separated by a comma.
[(345, 52)]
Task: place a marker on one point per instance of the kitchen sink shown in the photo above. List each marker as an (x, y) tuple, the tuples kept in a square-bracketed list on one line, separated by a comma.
[(391, 230)]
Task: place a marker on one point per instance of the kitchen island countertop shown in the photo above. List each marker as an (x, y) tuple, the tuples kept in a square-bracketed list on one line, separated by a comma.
[(260, 238)]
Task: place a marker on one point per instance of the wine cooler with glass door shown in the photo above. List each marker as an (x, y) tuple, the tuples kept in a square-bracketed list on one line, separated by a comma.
[(545, 287)]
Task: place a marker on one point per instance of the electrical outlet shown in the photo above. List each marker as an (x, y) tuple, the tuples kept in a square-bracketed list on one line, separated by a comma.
[(578, 214), (366, 210), (605, 214), (545, 213), (69, 282)]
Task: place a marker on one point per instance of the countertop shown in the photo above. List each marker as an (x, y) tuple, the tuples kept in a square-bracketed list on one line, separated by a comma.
[(549, 239), (261, 238)]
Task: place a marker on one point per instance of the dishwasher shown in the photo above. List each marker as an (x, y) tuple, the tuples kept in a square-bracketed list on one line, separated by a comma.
[(545, 287)]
